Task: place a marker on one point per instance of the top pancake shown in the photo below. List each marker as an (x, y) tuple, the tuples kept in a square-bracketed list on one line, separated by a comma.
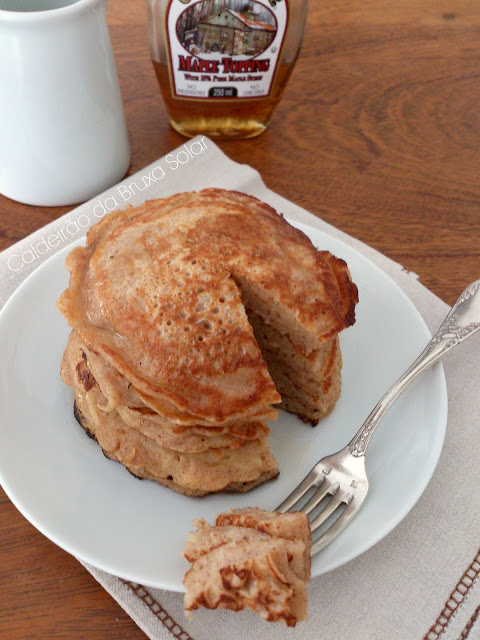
[(158, 290)]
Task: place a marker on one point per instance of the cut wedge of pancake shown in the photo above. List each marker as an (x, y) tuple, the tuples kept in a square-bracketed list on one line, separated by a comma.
[(250, 558), (193, 315)]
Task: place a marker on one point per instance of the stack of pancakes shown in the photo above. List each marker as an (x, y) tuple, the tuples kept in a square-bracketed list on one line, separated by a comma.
[(190, 317)]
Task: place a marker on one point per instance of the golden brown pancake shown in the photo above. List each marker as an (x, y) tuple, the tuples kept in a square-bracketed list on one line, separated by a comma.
[(193, 315), (160, 297), (194, 465), (250, 558)]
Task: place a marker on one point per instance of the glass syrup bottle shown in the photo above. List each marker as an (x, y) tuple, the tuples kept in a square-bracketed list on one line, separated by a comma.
[(222, 65)]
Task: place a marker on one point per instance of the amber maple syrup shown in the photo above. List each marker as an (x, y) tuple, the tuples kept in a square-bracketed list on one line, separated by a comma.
[(242, 118), (222, 65)]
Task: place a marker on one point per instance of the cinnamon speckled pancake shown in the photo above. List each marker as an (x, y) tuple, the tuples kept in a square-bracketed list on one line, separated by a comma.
[(194, 465), (160, 297), (250, 558), (88, 383), (118, 391), (191, 316)]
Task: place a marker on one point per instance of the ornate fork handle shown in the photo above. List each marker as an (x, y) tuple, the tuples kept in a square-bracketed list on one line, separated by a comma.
[(462, 321)]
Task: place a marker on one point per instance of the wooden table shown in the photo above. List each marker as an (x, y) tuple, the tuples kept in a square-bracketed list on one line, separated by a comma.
[(378, 133)]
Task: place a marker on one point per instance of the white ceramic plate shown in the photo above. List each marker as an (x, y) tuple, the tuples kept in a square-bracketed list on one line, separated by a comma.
[(90, 506)]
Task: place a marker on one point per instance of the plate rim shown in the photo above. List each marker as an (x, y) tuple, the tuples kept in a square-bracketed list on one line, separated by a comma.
[(387, 526)]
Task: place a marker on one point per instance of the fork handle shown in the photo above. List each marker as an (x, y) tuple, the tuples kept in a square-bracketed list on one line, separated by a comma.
[(462, 322)]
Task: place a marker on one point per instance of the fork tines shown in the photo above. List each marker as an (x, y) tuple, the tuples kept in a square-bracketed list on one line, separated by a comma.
[(338, 492)]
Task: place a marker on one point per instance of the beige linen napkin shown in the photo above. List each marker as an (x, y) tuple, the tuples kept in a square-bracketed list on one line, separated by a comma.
[(421, 582)]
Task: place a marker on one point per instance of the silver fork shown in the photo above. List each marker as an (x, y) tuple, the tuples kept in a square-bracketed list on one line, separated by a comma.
[(341, 479)]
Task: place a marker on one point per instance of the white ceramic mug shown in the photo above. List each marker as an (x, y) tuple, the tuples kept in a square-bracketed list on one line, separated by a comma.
[(63, 137)]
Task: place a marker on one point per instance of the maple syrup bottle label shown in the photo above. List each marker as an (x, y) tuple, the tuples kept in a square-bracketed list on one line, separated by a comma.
[(224, 49)]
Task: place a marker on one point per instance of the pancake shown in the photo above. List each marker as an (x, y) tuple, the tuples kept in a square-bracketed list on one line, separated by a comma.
[(310, 384), (192, 316), (142, 469), (277, 345), (291, 526), (237, 464), (163, 289), (250, 558), (207, 538)]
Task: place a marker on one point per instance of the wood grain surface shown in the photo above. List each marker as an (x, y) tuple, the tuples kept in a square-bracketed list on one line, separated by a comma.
[(378, 133)]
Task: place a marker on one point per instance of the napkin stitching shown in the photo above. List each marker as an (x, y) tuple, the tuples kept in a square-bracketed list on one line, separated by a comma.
[(158, 611), (455, 599), (470, 623)]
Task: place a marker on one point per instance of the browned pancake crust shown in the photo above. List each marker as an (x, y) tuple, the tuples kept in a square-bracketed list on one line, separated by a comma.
[(157, 292)]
